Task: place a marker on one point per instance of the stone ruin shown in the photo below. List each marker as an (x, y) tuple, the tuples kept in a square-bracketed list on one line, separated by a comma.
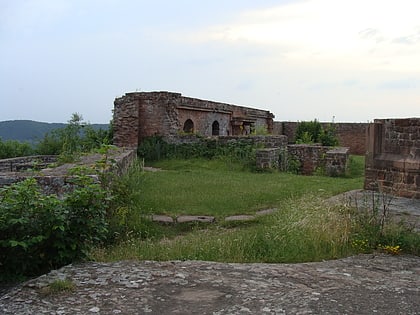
[(177, 118), (143, 114), (55, 179), (393, 157)]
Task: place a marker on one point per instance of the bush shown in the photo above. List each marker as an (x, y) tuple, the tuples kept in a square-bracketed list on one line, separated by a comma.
[(13, 148), (39, 232), (75, 138), (156, 148), (313, 132)]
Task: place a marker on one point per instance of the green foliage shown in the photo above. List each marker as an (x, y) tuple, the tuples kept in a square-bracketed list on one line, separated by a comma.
[(328, 136), (76, 137), (312, 132), (304, 230), (373, 228), (39, 232), (289, 163), (13, 148), (242, 151), (58, 286)]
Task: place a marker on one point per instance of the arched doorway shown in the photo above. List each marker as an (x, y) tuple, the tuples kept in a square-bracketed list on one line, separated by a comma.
[(215, 128), (188, 126)]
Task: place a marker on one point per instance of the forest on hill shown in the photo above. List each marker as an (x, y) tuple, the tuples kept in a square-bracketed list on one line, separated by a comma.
[(32, 131)]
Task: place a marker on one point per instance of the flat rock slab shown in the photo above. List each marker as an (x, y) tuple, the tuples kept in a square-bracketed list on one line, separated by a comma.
[(400, 208), (162, 218), (241, 217), (193, 218), (266, 211), (364, 284)]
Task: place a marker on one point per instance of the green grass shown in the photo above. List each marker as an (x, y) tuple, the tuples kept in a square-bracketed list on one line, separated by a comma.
[(303, 229), (214, 188)]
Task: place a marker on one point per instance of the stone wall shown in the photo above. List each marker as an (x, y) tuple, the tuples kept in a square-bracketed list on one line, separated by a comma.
[(268, 158), (142, 114), (332, 161), (35, 162), (57, 180), (310, 158), (393, 157), (351, 135)]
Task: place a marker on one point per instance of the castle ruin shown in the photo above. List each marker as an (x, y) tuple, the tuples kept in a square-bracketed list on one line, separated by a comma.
[(139, 115)]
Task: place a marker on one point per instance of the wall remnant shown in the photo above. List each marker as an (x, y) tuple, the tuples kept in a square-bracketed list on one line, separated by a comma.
[(332, 161), (268, 158), (393, 157), (18, 164), (139, 115), (56, 180), (351, 135)]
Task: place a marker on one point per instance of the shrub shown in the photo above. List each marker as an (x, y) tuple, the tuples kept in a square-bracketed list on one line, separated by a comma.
[(313, 132), (13, 148), (156, 148), (39, 232)]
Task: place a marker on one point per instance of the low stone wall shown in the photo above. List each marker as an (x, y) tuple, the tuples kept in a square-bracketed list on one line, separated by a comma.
[(267, 141), (268, 158), (336, 161), (351, 135), (18, 164), (310, 157), (332, 161), (58, 181)]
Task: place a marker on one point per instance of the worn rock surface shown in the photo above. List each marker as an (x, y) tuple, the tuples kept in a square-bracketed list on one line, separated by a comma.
[(364, 284)]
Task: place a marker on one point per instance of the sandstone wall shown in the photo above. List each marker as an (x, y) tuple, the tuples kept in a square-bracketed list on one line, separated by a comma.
[(35, 162), (57, 180), (351, 135), (393, 157), (142, 114), (332, 161)]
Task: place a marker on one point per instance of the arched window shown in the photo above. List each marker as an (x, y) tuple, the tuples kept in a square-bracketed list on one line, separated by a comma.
[(215, 128), (188, 126)]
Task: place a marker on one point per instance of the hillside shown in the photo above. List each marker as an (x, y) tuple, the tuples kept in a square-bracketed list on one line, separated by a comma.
[(31, 131)]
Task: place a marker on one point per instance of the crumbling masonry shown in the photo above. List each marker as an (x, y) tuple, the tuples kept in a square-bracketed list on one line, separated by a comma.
[(393, 157), (142, 114)]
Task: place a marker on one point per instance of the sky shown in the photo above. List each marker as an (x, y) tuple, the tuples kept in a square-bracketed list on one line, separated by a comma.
[(342, 61)]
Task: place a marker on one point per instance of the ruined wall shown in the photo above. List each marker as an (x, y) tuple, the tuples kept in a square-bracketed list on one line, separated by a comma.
[(142, 114), (35, 162), (393, 157), (57, 180), (351, 135), (333, 161)]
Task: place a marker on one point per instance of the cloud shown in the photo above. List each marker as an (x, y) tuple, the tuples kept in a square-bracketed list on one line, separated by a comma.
[(401, 84), (352, 33)]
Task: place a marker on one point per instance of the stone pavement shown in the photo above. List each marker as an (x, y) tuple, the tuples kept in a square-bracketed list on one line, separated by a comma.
[(363, 284)]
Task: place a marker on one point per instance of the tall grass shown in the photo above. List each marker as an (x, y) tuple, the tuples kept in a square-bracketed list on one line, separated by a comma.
[(303, 228)]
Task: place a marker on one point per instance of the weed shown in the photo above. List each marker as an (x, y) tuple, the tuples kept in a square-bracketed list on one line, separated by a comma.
[(58, 286)]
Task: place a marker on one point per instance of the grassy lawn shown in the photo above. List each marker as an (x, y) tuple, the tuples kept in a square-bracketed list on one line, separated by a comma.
[(303, 229), (201, 187)]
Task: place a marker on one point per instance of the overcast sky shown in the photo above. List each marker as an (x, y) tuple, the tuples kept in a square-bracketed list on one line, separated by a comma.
[(353, 60)]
